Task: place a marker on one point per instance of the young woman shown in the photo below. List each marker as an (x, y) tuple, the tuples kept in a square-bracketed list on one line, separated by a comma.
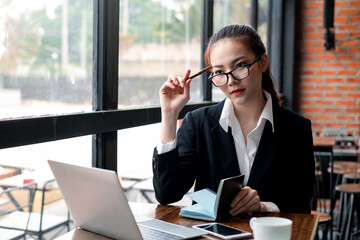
[(247, 133)]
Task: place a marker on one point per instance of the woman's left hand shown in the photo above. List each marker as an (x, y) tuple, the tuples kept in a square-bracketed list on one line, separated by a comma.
[(247, 200)]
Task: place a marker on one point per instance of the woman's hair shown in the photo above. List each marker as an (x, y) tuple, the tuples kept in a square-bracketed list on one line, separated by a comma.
[(251, 39)]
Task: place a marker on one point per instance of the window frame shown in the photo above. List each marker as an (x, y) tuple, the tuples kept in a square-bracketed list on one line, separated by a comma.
[(106, 119)]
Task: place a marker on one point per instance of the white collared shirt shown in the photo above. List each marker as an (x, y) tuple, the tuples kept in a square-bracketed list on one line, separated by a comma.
[(246, 154)]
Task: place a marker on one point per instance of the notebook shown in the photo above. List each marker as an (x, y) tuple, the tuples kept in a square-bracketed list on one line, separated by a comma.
[(97, 203), (212, 206)]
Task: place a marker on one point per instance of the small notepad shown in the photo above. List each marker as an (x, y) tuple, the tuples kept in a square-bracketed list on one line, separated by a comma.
[(211, 206)]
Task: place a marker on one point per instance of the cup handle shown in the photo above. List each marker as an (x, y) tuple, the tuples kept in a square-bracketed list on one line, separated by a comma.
[(252, 222)]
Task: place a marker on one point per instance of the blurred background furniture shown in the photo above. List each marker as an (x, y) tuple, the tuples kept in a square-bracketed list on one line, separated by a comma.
[(15, 211), (49, 210)]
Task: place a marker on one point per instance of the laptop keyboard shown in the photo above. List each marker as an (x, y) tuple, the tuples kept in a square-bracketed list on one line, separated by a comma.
[(150, 233)]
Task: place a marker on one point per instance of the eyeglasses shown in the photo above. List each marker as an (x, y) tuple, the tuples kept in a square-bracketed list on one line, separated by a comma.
[(238, 73)]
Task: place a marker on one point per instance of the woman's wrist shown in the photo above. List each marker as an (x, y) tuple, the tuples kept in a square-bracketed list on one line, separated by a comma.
[(168, 127)]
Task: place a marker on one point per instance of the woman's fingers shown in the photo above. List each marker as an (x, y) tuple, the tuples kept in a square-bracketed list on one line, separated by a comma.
[(186, 76), (247, 200)]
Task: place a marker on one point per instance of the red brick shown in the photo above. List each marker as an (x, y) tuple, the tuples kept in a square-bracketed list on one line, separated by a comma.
[(341, 4), (354, 34), (351, 88), (353, 80), (314, 5), (355, 3), (353, 95), (333, 110), (346, 57), (311, 95), (320, 43), (346, 117), (325, 87), (349, 43), (314, 35), (347, 72), (314, 124), (353, 110), (340, 35), (334, 95), (314, 50), (314, 65), (348, 11), (340, 19), (353, 64), (354, 49), (341, 50), (324, 117), (315, 19), (334, 125), (347, 103), (312, 110), (348, 27), (325, 57), (334, 80), (326, 72), (352, 125), (323, 102), (335, 64), (355, 19)]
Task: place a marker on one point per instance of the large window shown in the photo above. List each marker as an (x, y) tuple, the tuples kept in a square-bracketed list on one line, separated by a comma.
[(45, 57), (157, 38)]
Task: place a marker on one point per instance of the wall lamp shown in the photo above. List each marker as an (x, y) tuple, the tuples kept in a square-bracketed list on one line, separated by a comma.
[(329, 38)]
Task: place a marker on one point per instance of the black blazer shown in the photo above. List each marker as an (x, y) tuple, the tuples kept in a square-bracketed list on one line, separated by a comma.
[(282, 172)]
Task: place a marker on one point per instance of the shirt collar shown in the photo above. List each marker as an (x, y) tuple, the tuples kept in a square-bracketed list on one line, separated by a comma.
[(227, 117)]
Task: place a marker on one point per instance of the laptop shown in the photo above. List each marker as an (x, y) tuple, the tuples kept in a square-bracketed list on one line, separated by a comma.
[(97, 203)]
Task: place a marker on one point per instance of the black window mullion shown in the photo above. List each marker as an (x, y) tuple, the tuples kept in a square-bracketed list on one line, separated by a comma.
[(254, 14), (207, 10), (105, 78)]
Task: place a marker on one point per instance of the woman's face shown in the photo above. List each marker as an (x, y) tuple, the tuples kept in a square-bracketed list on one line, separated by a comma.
[(226, 55)]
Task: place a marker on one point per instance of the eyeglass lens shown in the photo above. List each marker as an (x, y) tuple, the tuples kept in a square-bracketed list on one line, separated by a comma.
[(238, 73)]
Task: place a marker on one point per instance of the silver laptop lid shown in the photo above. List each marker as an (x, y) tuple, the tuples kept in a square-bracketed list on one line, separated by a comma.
[(96, 200)]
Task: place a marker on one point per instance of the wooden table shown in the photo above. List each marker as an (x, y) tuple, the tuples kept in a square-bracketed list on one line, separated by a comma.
[(304, 225)]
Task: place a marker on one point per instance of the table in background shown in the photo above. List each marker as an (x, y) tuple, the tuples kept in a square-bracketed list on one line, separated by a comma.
[(304, 225), (325, 144), (7, 172)]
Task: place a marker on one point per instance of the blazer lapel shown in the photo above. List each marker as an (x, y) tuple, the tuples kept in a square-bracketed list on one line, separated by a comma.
[(224, 144), (267, 148)]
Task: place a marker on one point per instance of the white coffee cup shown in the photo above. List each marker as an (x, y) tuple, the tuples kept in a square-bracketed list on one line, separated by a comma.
[(271, 228)]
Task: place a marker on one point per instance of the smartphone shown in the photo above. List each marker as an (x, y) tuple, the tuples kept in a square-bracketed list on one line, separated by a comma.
[(223, 231)]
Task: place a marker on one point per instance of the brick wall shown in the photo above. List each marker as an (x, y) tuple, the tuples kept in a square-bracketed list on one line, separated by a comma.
[(328, 82)]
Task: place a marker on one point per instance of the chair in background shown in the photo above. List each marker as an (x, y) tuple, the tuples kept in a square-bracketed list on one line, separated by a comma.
[(49, 219), (15, 211)]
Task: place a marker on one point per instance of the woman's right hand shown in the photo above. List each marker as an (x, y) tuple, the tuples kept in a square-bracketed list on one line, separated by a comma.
[(174, 94)]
